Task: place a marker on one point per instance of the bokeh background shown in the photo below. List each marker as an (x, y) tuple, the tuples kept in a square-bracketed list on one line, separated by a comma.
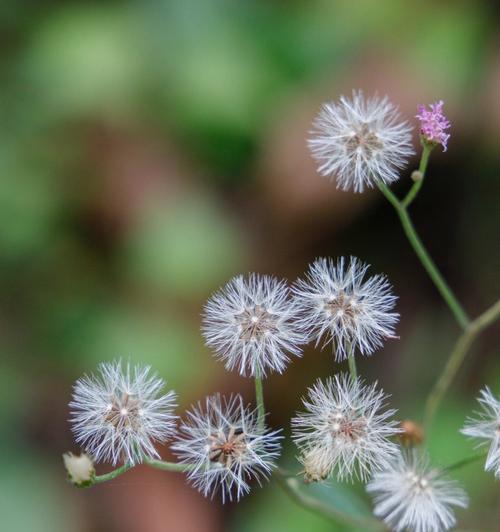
[(152, 149)]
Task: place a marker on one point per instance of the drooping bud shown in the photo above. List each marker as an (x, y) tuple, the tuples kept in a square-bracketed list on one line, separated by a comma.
[(80, 469), (413, 433), (316, 465)]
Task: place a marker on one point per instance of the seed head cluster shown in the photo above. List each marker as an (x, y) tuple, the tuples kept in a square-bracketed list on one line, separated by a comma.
[(360, 141), (119, 415), (338, 305), (409, 495), (485, 427), (345, 430), (224, 445)]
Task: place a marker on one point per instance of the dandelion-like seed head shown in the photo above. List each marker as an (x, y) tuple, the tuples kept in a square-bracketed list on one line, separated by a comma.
[(344, 430), (226, 446), (433, 124), (486, 427), (360, 141), (250, 325), (409, 495), (336, 303), (121, 414)]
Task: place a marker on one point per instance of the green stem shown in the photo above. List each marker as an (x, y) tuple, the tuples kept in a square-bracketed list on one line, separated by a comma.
[(414, 190), (351, 360), (259, 398), (425, 258), (465, 461), (167, 466), (99, 479), (291, 487), (457, 357)]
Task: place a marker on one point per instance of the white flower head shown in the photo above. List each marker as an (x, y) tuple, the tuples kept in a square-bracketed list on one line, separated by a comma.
[(345, 431), (408, 495), (226, 446), (120, 414), (360, 141), (336, 302), (250, 325), (80, 468), (486, 426)]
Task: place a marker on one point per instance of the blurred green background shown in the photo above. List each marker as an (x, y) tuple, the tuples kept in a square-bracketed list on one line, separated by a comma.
[(151, 149)]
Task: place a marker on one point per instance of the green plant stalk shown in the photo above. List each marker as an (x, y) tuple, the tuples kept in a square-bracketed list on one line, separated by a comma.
[(422, 168), (259, 399), (168, 466), (352, 365), (291, 487), (442, 286), (456, 359), (465, 461), (99, 479)]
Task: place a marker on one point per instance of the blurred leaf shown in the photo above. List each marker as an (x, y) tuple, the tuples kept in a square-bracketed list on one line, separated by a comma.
[(186, 248)]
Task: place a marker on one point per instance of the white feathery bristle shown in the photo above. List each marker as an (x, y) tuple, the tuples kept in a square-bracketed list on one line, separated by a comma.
[(225, 446), (119, 415), (486, 427), (249, 324), (344, 431), (360, 141), (335, 302), (408, 495)]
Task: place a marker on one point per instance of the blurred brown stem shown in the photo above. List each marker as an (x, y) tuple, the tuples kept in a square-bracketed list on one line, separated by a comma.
[(473, 329)]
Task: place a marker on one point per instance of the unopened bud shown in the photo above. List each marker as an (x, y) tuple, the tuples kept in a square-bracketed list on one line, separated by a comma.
[(417, 175), (80, 469), (413, 433), (316, 465)]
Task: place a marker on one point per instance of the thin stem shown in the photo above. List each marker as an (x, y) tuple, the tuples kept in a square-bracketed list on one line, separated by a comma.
[(465, 461), (414, 190), (259, 398), (99, 479), (291, 487), (425, 259), (351, 360), (457, 357), (167, 466)]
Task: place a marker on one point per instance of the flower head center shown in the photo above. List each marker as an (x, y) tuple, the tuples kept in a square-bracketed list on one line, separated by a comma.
[(347, 427), (225, 448), (342, 306), (364, 141), (255, 322), (124, 410)]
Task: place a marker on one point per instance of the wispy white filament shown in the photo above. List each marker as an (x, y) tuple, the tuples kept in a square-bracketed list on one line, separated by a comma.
[(409, 495), (344, 431), (337, 303), (250, 325), (486, 427), (118, 415), (226, 446), (359, 141)]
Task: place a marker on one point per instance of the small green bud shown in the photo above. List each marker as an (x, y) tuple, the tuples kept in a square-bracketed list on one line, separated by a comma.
[(416, 175), (80, 469)]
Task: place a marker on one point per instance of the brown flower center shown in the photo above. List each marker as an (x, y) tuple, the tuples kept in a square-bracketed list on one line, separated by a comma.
[(343, 306), (255, 323), (225, 448), (365, 140), (123, 411), (347, 426)]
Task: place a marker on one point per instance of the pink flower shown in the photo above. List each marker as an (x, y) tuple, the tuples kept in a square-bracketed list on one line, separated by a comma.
[(433, 124)]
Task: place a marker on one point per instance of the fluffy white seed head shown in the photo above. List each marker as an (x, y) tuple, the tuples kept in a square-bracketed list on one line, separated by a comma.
[(345, 430), (250, 325), (486, 428), (226, 447), (119, 415), (359, 141), (408, 495), (337, 304)]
